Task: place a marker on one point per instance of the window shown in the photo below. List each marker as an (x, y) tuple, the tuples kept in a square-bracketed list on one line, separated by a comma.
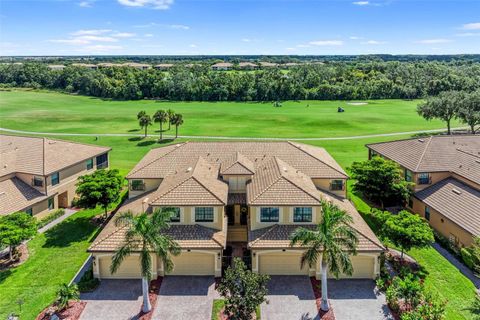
[(37, 181), (204, 214), (89, 164), (423, 178), (336, 185), (175, 217), (55, 178), (302, 214), (51, 203), (102, 161), (29, 211), (269, 214), (408, 175), (137, 185), (427, 213)]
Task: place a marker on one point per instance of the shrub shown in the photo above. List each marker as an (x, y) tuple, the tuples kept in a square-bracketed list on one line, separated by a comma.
[(52, 216), (392, 299), (66, 293), (88, 282), (431, 308), (467, 257)]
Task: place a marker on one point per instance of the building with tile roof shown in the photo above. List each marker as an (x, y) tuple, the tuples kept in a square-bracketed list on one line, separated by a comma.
[(236, 199), (38, 175), (446, 173)]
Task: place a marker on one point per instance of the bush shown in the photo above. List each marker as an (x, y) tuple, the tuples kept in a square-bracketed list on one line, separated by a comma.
[(88, 283), (431, 308), (52, 216), (66, 293), (467, 257)]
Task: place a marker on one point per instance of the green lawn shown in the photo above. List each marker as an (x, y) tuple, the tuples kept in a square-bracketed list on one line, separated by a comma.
[(57, 112), (218, 304), (54, 258)]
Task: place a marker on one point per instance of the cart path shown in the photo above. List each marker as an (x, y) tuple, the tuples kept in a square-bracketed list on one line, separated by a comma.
[(223, 137)]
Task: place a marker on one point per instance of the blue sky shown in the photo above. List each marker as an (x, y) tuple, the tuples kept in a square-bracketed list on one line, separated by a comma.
[(79, 27)]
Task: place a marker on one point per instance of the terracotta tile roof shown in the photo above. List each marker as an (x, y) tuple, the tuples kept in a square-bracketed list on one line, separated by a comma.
[(276, 182), (247, 64), (187, 236), (277, 236), (197, 185), (16, 195), (222, 65), (313, 161), (456, 201), (42, 156), (458, 154), (237, 164), (268, 64)]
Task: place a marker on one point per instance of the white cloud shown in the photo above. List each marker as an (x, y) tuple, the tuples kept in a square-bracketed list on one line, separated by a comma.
[(433, 41), (326, 43), (361, 3), (471, 26), (303, 46), (246, 40), (166, 26), (148, 35), (373, 42), (97, 38), (291, 49), (93, 32), (154, 4), (468, 34), (85, 4), (193, 45), (178, 27), (356, 38), (123, 35), (74, 41)]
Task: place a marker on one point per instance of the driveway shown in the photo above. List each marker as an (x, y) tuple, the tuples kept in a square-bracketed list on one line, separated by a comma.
[(185, 297), (289, 298), (357, 300), (113, 299)]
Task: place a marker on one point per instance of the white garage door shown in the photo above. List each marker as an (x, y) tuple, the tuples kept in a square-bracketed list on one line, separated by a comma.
[(194, 264), (363, 268), (129, 269), (281, 263)]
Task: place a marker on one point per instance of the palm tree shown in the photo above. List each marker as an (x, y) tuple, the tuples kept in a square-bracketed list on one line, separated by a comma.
[(144, 122), (160, 116), (176, 120), (144, 235), (141, 114), (170, 113), (334, 239)]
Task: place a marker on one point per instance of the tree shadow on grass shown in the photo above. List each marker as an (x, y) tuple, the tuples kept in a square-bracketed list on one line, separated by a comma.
[(68, 232), (133, 130), (5, 274), (135, 139), (165, 141), (146, 143)]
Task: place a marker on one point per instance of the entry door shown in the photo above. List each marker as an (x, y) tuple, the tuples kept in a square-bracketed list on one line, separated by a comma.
[(230, 214), (63, 200), (243, 215)]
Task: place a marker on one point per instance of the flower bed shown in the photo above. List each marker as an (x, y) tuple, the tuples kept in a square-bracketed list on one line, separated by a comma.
[(154, 290), (317, 291), (72, 312)]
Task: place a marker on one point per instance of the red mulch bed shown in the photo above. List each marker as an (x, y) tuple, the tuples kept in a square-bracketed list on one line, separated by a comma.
[(154, 290), (329, 315), (73, 312)]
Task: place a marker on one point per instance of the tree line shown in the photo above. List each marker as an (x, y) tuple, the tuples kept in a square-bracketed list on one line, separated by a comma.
[(334, 80)]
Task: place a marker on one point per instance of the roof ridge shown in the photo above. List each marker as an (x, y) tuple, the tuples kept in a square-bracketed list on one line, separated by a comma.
[(266, 232), (156, 159), (43, 156), (172, 188), (211, 229), (97, 242), (195, 178), (311, 155), (423, 153), (293, 182), (270, 185), (468, 152)]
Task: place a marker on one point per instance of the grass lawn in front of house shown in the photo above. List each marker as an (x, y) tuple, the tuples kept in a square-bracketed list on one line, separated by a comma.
[(218, 305)]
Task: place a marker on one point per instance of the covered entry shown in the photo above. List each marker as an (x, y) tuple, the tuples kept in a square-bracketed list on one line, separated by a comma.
[(63, 200), (281, 263), (194, 264)]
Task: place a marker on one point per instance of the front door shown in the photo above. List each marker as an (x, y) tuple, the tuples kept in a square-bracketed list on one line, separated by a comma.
[(230, 215), (243, 215)]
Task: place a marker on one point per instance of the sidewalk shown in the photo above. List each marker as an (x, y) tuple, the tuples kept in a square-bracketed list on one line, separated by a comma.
[(68, 213)]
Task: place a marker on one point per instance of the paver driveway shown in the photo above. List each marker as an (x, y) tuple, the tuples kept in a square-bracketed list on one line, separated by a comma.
[(185, 297), (113, 299), (357, 300), (290, 298)]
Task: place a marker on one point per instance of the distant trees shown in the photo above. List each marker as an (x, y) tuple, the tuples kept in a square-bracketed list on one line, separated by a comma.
[(381, 181), (160, 116), (359, 79), (469, 110)]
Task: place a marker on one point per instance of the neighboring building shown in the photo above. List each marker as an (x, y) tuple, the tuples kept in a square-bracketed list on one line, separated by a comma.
[(140, 66), (247, 66), (290, 64), (56, 66), (265, 64), (109, 65), (222, 66), (446, 173), (239, 199), (85, 65), (164, 66), (38, 175)]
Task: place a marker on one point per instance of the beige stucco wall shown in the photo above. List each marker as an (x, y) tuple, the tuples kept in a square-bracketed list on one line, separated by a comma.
[(40, 209), (434, 176), (187, 216), (240, 184), (150, 184), (445, 227), (28, 179), (324, 184), (285, 216)]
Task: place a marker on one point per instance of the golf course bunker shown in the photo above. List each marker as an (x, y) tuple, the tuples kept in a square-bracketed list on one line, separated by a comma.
[(357, 103)]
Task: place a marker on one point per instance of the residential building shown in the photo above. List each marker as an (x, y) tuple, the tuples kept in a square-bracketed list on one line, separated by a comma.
[(236, 199), (164, 66), (56, 67), (222, 66), (85, 65), (140, 66), (38, 175), (446, 173), (265, 64), (247, 66)]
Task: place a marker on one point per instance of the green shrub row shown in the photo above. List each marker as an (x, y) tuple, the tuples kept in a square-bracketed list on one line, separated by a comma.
[(52, 216)]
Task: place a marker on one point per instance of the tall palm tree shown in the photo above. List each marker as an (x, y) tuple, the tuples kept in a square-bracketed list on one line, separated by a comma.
[(333, 239), (160, 116), (144, 236), (177, 120), (144, 122), (170, 113), (141, 114)]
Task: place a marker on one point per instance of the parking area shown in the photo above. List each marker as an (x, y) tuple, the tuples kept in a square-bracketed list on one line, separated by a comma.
[(357, 300), (289, 298), (113, 299), (186, 297)]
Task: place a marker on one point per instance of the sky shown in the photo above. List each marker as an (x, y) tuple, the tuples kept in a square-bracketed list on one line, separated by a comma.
[(238, 27)]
